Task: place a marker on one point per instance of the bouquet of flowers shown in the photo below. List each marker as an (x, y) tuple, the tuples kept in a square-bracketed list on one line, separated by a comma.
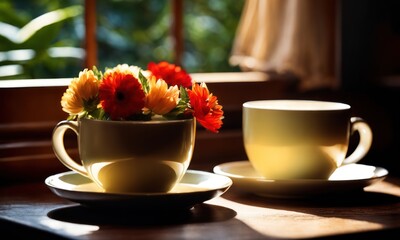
[(127, 92)]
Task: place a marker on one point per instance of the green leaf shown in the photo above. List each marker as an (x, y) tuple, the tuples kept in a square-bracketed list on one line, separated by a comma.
[(179, 111), (72, 117), (184, 96), (45, 27), (98, 114), (144, 81), (97, 73)]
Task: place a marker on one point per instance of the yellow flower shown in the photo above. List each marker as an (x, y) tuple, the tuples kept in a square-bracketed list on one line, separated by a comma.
[(161, 99), (81, 93)]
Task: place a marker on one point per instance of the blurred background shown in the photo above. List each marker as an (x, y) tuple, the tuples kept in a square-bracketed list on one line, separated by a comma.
[(131, 31)]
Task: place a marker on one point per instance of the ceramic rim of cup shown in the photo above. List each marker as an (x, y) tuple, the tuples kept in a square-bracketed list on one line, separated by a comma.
[(153, 121), (296, 105)]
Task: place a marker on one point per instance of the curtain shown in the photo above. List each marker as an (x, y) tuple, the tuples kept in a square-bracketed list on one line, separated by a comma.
[(295, 36)]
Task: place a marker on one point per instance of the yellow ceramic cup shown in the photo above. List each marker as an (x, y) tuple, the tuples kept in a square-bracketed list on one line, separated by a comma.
[(129, 156), (301, 139)]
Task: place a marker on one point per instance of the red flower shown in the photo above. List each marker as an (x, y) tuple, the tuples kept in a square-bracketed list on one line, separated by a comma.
[(170, 73), (207, 111), (121, 95)]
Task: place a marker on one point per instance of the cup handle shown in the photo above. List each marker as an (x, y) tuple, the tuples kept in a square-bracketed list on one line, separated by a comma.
[(360, 125), (59, 148)]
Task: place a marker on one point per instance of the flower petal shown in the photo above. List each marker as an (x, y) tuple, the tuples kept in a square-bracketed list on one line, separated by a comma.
[(170, 73), (206, 108), (121, 94)]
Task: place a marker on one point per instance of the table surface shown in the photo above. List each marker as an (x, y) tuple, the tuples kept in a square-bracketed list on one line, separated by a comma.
[(32, 210)]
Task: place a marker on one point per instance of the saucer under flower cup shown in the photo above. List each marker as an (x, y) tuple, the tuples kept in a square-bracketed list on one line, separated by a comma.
[(194, 188)]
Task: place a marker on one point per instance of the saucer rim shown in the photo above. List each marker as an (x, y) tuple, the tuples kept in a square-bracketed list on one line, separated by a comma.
[(186, 199), (228, 183), (218, 169), (298, 189)]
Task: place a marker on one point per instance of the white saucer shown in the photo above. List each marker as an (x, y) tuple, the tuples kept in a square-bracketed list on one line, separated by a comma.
[(195, 187), (350, 178)]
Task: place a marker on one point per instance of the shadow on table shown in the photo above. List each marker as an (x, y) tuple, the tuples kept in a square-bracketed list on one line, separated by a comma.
[(198, 214), (224, 224), (356, 199)]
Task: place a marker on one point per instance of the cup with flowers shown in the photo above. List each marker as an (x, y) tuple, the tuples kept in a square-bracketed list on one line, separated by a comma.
[(136, 127)]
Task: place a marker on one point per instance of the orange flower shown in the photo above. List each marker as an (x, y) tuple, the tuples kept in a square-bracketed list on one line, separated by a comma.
[(206, 108), (81, 93), (170, 73), (121, 94), (127, 92), (160, 98)]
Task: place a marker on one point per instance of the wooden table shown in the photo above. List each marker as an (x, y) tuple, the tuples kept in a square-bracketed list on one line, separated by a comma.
[(32, 211)]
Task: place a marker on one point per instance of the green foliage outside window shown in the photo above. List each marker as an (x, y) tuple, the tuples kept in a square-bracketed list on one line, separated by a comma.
[(128, 31)]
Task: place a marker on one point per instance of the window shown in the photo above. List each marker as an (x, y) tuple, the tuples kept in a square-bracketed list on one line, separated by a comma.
[(128, 31), (177, 31)]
